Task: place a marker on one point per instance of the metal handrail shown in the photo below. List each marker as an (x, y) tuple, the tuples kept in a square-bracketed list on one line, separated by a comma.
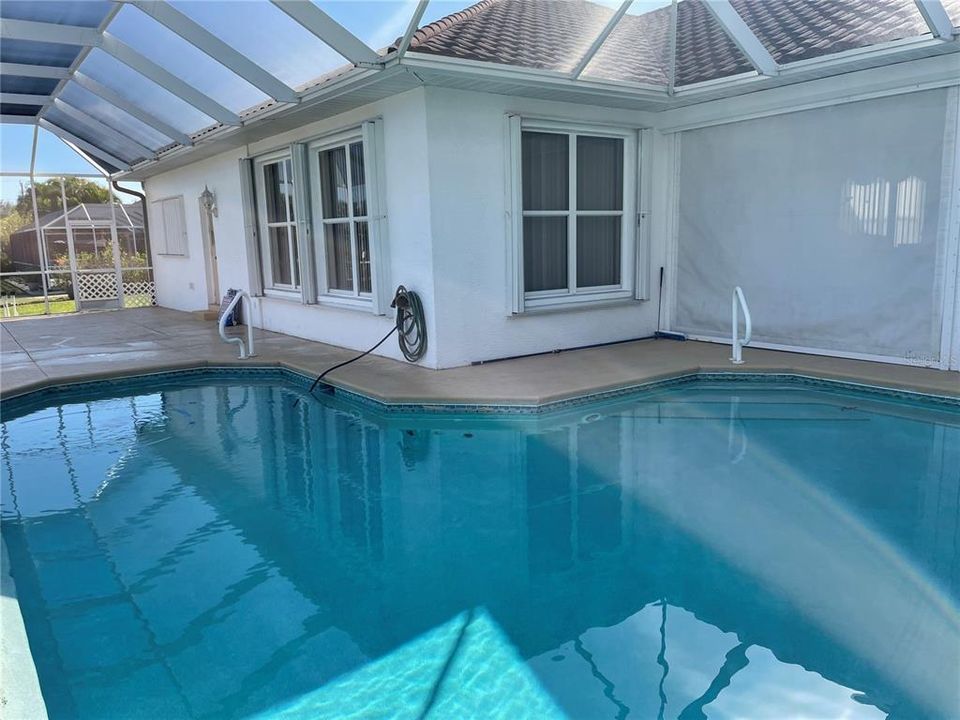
[(738, 302), (246, 351)]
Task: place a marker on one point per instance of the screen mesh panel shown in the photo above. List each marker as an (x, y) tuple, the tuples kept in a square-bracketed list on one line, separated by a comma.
[(830, 220)]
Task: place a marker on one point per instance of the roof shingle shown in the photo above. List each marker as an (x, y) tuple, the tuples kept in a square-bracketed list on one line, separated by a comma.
[(554, 35)]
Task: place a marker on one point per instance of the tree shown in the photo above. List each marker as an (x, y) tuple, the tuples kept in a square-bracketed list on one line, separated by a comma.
[(78, 190)]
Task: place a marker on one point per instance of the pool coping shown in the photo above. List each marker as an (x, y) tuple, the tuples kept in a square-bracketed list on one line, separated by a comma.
[(51, 390)]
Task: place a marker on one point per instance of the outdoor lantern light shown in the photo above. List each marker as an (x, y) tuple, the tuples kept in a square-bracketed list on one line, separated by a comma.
[(208, 201)]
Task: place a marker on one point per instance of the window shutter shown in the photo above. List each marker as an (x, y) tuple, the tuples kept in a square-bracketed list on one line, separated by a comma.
[(372, 132), (250, 226), (170, 231), (513, 216), (159, 233), (644, 203), (301, 205), (174, 226)]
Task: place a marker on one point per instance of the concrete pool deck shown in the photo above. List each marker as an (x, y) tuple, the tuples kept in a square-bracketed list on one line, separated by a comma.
[(40, 352)]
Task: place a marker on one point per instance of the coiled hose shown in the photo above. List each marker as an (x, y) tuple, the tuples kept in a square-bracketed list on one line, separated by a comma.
[(411, 327), (411, 324)]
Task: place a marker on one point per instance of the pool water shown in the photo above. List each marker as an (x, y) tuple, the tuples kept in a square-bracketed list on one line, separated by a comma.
[(210, 550)]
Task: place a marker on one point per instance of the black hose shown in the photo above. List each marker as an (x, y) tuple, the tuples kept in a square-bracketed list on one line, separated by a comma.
[(411, 326)]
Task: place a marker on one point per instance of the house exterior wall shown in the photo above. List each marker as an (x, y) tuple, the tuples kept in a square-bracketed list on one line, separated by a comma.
[(468, 176), (446, 172), (181, 282)]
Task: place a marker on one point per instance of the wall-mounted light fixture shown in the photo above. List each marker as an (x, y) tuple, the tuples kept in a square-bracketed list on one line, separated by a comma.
[(208, 201)]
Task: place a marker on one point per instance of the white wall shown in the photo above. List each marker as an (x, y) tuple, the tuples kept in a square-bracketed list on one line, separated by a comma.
[(467, 139), (181, 281)]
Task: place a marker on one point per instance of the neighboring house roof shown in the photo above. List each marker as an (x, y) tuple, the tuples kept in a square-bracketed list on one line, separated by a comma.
[(87, 213), (555, 35)]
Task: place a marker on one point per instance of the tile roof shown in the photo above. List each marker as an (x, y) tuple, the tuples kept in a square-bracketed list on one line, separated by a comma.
[(555, 35)]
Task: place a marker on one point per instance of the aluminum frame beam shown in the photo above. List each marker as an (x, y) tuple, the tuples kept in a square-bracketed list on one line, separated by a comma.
[(118, 101), (18, 119), (165, 79), (24, 99), (741, 34), (201, 38), (48, 32), (936, 18), (100, 126), (83, 144), (35, 71), (600, 39), (330, 31), (412, 27)]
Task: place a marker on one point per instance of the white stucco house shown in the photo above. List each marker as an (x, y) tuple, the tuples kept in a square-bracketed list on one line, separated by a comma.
[(553, 175)]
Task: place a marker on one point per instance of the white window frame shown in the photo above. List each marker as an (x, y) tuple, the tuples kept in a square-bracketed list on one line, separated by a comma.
[(630, 255), (271, 288), (369, 135)]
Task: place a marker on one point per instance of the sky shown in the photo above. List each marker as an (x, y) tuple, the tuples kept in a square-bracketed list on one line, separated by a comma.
[(53, 156)]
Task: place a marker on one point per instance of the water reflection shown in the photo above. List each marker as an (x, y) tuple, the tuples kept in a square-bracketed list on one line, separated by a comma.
[(868, 208), (215, 551)]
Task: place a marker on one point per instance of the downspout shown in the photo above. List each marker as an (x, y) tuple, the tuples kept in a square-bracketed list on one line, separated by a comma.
[(143, 206)]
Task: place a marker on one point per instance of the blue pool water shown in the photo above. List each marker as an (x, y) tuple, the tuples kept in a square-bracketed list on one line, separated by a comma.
[(208, 550)]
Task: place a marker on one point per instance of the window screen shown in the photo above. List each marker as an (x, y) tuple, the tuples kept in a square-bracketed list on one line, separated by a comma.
[(830, 220)]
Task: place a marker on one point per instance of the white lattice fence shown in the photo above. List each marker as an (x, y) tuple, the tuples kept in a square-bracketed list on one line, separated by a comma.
[(139, 293), (97, 285)]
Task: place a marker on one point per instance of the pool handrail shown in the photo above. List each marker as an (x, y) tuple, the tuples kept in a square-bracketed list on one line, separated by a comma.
[(738, 302), (246, 351)]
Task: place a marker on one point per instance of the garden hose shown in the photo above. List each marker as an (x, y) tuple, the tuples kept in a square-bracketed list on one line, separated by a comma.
[(411, 326)]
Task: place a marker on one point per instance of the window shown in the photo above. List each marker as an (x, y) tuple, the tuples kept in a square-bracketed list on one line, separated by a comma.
[(278, 228), (574, 235), (314, 212), (169, 228), (344, 217)]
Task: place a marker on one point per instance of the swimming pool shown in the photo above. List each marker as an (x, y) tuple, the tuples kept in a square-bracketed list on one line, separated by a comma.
[(204, 548)]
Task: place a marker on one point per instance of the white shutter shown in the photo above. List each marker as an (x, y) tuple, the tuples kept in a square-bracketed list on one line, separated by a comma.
[(372, 132), (158, 235), (514, 214), (643, 220), (250, 233), (301, 206), (169, 227)]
